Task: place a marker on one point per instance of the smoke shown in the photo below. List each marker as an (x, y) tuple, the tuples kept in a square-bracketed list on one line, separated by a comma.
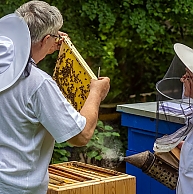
[(111, 156)]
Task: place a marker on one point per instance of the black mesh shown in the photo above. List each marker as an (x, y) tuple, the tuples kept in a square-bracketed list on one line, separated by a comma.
[(170, 87)]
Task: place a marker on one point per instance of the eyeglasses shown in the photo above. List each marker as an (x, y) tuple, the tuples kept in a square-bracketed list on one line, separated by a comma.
[(57, 37)]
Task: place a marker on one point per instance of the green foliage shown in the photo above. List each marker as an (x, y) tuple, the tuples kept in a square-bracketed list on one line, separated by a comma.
[(132, 41), (105, 140), (9, 6), (61, 152), (105, 143)]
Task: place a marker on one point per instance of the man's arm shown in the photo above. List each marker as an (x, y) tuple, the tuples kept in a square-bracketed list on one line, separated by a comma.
[(98, 91)]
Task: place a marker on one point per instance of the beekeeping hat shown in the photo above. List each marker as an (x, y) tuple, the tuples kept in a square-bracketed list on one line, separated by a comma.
[(174, 100), (15, 46), (170, 86), (185, 54)]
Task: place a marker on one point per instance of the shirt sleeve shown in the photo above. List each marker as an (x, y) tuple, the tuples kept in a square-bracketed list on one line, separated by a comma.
[(55, 113)]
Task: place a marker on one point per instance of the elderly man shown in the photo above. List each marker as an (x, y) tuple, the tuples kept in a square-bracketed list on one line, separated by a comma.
[(33, 112), (177, 85)]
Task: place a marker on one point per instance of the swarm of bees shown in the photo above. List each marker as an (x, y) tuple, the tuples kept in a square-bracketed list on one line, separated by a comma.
[(73, 75)]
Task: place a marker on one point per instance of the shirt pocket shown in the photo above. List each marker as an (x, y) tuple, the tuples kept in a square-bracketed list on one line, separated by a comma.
[(186, 158)]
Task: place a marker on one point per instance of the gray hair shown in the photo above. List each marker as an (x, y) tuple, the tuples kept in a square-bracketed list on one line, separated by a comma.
[(41, 18)]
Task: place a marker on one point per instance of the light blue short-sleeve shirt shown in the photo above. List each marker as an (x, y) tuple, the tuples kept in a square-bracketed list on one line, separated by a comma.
[(33, 114), (185, 180)]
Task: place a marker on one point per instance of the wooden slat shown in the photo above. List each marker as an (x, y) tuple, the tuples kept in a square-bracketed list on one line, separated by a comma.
[(92, 172), (90, 167), (176, 153), (113, 183)]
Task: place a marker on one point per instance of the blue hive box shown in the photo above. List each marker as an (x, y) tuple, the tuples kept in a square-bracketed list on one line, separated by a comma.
[(143, 128)]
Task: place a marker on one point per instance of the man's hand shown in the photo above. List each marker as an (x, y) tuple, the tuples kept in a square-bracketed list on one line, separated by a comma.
[(100, 86), (180, 145), (58, 42)]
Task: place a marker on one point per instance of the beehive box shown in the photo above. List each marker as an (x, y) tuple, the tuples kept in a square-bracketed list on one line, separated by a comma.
[(80, 178)]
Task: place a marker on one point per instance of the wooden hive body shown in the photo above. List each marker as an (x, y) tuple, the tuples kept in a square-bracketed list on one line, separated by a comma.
[(72, 74), (80, 178)]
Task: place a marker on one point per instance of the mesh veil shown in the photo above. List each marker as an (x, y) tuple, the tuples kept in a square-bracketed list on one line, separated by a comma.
[(170, 87), (172, 101)]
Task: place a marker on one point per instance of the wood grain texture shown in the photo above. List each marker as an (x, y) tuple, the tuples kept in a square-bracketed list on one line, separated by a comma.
[(96, 183)]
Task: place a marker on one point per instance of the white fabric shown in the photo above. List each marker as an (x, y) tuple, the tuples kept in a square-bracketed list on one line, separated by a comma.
[(6, 53), (33, 112), (168, 142), (15, 29), (185, 180), (176, 108), (185, 54)]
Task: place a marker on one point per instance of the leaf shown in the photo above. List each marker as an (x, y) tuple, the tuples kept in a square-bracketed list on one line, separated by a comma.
[(100, 124), (108, 127), (92, 154), (115, 134), (58, 145), (98, 157), (107, 134), (64, 159), (101, 140), (62, 152)]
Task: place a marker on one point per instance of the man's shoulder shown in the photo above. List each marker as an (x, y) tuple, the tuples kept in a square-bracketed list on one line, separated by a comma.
[(35, 80), (38, 73)]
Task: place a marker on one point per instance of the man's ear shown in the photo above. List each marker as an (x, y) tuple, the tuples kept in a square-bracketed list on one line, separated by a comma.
[(44, 40)]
